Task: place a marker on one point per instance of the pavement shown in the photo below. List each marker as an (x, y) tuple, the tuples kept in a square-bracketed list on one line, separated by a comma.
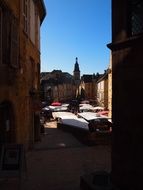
[(57, 162)]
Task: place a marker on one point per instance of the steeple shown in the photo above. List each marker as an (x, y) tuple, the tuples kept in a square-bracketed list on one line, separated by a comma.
[(76, 72), (76, 67)]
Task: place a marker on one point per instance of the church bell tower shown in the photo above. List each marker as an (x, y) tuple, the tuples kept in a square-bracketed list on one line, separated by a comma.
[(76, 72)]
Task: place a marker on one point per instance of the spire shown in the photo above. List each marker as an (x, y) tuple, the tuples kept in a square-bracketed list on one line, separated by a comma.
[(76, 67), (76, 72)]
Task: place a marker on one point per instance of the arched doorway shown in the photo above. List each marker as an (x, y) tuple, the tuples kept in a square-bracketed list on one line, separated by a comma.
[(7, 127)]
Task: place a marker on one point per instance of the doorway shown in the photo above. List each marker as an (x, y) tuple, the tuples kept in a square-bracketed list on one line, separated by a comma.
[(7, 127)]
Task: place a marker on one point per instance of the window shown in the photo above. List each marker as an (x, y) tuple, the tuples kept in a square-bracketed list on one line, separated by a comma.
[(32, 21), (5, 34), (136, 16), (14, 51), (9, 37), (26, 16), (38, 28)]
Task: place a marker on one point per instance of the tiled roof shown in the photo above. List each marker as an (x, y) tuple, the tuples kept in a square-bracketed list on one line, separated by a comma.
[(89, 78), (50, 77)]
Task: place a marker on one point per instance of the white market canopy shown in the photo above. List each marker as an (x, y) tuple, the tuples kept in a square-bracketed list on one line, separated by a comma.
[(88, 115), (91, 116), (71, 119), (63, 114), (85, 107), (98, 108), (75, 122)]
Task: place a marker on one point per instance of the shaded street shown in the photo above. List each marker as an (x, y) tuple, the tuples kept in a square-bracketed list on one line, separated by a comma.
[(58, 161)]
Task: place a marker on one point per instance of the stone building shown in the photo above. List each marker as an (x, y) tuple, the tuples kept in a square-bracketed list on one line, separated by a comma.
[(88, 86), (127, 93), (20, 22), (102, 90), (110, 88), (57, 86)]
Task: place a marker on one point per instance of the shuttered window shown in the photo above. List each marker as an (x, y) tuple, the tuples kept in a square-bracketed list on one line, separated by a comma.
[(14, 48), (38, 33), (9, 38), (26, 16), (6, 17), (32, 21)]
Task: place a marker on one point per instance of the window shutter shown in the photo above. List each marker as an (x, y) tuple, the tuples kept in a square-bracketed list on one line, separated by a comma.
[(5, 36), (14, 48), (26, 16)]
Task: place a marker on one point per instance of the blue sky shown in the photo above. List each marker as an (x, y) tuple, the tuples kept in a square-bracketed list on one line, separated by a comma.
[(76, 28)]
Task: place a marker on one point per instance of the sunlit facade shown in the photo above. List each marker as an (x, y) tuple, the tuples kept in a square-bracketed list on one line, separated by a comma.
[(20, 22)]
